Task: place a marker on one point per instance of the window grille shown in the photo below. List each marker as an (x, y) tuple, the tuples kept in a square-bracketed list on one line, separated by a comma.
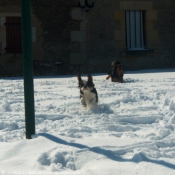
[(135, 29), (13, 35)]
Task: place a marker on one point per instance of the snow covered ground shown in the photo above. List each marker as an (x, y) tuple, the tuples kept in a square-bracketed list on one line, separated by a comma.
[(132, 132)]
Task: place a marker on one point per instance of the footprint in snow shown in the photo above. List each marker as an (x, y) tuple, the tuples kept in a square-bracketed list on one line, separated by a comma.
[(57, 160)]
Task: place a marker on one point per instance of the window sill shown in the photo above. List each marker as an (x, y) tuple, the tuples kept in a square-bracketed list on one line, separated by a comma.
[(143, 52)]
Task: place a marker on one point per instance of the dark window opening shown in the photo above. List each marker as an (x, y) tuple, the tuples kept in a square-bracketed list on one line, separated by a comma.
[(135, 29), (13, 35)]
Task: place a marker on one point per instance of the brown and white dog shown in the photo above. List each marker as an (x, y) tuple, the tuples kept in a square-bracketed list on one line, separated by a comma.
[(88, 93), (116, 73)]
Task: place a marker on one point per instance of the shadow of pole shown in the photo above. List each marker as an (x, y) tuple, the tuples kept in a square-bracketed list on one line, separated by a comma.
[(108, 153)]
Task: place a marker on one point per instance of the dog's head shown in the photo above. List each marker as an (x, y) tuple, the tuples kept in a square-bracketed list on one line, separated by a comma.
[(85, 84)]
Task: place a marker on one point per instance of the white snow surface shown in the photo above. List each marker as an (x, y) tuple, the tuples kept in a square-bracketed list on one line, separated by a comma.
[(131, 132)]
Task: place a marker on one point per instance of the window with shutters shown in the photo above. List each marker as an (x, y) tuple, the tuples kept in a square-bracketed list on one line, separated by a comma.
[(13, 35), (135, 29)]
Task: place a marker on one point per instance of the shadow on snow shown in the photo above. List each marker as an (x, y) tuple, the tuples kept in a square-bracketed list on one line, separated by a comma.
[(139, 157)]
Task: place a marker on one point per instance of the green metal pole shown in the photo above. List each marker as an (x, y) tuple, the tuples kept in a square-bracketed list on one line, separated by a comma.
[(28, 68)]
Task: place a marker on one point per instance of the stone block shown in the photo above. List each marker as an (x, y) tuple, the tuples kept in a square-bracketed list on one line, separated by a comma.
[(2, 20), (78, 14), (122, 45), (119, 15), (151, 15), (1, 35), (136, 5), (0, 47), (151, 43), (78, 36), (149, 24), (120, 35), (82, 47), (77, 58), (10, 14), (82, 25), (152, 35), (33, 34)]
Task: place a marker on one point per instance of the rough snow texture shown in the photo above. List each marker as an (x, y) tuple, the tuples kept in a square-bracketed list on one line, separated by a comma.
[(131, 132)]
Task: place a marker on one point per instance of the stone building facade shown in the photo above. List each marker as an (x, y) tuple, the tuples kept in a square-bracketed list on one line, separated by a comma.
[(67, 38)]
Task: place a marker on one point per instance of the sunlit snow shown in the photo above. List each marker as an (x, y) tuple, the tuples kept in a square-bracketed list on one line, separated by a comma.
[(130, 133)]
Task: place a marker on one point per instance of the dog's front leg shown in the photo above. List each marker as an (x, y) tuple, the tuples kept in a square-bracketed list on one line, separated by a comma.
[(83, 102), (91, 104), (82, 99)]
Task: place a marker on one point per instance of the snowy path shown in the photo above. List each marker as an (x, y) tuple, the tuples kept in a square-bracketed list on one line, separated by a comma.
[(133, 126)]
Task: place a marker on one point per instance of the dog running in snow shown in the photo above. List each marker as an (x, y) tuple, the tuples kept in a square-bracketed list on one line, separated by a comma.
[(116, 72), (88, 93)]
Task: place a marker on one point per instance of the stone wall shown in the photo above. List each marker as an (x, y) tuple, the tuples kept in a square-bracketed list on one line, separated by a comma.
[(12, 64), (67, 39), (57, 25), (106, 33)]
